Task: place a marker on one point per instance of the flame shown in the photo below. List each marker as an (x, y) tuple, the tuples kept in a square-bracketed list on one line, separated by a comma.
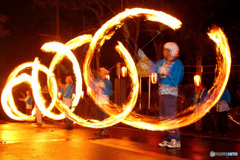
[(63, 51), (59, 95), (22, 78), (108, 77), (116, 113), (39, 100), (115, 116), (197, 80), (74, 95), (82, 94), (154, 78), (104, 33), (7, 99), (89, 90), (124, 71), (213, 96)]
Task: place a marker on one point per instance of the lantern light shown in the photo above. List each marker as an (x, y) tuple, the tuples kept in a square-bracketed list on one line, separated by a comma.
[(108, 77), (197, 80), (124, 71), (59, 95), (154, 78)]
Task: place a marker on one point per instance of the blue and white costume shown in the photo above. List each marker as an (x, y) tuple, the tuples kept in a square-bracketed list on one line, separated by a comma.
[(28, 101)]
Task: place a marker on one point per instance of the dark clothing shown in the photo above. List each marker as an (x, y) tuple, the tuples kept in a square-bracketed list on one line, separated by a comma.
[(67, 100), (208, 124), (222, 122), (168, 110), (103, 89), (222, 109), (101, 116)]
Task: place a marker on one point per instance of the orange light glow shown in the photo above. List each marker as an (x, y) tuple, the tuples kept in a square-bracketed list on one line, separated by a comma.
[(124, 71), (214, 94), (105, 33), (63, 51), (154, 78), (12, 111), (116, 113), (197, 80), (108, 77), (89, 90), (82, 94), (59, 95), (74, 95), (101, 35), (7, 99), (36, 88), (27, 79)]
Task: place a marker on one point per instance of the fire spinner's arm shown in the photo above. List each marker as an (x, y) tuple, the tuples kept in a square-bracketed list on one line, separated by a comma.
[(61, 84)]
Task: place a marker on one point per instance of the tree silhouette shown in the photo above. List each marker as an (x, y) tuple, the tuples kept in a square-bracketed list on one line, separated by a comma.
[(3, 31)]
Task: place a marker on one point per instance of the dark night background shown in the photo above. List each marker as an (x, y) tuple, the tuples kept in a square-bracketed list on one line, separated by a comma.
[(31, 23)]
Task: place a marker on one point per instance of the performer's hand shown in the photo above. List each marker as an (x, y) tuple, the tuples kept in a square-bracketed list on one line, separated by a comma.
[(22, 94), (162, 70)]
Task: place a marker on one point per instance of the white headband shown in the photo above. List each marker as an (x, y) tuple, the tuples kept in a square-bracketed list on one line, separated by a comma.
[(173, 47), (104, 70), (70, 77)]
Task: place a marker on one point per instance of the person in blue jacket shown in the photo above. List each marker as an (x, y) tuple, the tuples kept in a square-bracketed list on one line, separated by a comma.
[(28, 100), (170, 72), (68, 90), (222, 108), (103, 90)]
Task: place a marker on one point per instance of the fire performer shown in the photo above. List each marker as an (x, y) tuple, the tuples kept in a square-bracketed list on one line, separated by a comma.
[(170, 70), (28, 100), (103, 90), (67, 96)]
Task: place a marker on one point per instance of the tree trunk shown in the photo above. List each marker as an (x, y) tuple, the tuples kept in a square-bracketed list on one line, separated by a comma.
[(136, 39), (199, 65)]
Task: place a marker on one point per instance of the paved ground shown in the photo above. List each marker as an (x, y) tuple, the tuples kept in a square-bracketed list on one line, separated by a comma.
[(23, 141)]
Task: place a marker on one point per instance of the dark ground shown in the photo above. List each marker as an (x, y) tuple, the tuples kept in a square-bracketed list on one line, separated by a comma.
[(23, 141)]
